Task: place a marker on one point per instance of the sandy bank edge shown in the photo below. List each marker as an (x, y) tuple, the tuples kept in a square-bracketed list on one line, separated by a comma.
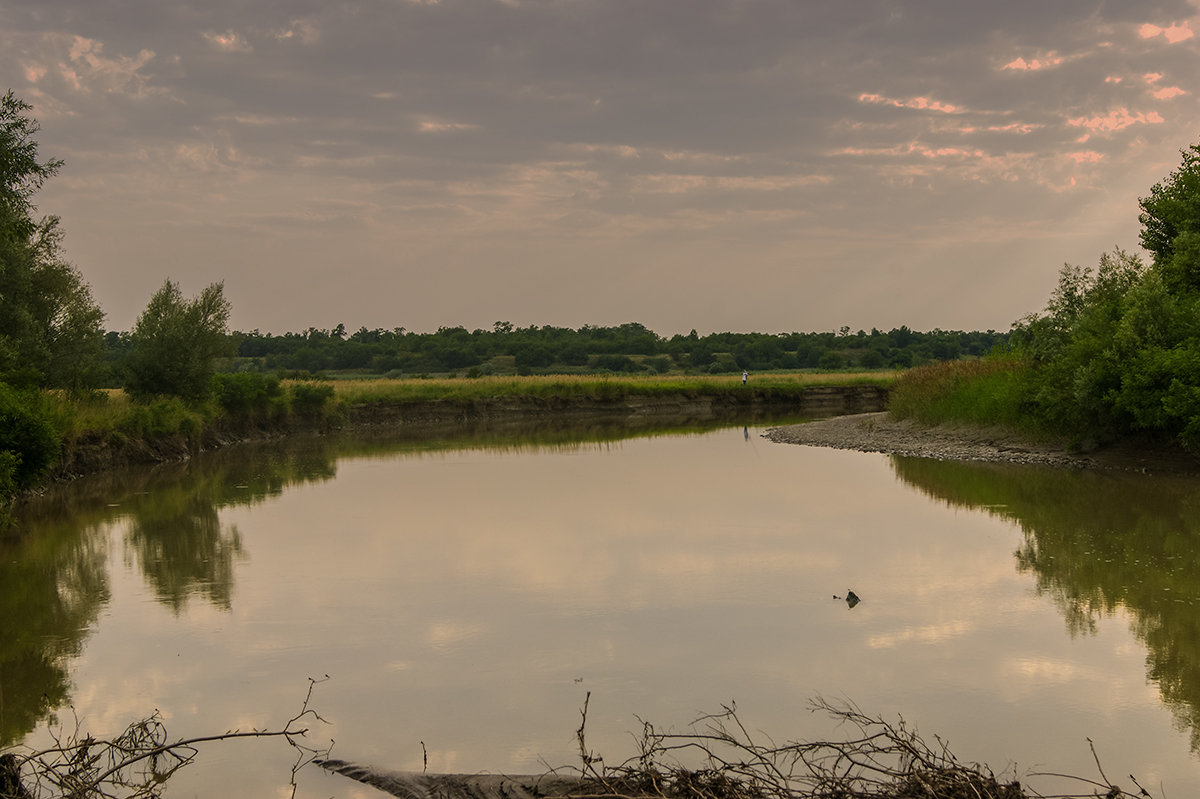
[(878, 432)]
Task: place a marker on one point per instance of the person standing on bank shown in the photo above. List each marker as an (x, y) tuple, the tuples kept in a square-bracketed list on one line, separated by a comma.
[(745, 376)]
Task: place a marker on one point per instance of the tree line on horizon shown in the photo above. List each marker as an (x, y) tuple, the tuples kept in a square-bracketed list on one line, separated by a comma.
[(628, 348)]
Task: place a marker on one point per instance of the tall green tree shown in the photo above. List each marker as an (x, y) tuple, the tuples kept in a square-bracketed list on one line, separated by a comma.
[(175, 343), (1117, 351), (1171, 224), (50, 326)]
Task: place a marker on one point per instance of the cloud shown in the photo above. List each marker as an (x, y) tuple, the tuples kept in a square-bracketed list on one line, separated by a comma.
[(1035, 64), (916, 103), (483, 154), (1168, 93), (229, 41), (82, 66), (302, 30), (1173, 33), (1116, 120)]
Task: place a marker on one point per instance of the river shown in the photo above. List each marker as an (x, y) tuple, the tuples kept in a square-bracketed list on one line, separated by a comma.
[(465, 598)]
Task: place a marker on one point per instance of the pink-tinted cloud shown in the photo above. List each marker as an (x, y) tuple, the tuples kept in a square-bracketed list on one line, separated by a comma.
[(1113, 79), (1117, 119), (1086, 157), (229, 41), (1034, 64), (1175, 32), (1014, 127), (1152, 77), (918, 103), (1168, 93)]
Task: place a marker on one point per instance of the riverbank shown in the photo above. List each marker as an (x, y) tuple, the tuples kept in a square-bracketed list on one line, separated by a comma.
[(879, 432), (375, 407)]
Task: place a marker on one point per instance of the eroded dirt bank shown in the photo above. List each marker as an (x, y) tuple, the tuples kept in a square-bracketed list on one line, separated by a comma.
[(878, 432)]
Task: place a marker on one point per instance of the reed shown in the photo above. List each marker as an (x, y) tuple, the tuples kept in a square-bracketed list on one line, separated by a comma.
[(983, 392)]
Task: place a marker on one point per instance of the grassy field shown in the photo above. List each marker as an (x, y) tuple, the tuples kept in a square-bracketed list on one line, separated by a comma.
[(356, 392)]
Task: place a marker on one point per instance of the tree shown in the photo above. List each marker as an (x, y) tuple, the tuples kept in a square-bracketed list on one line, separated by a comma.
[(175, 343), (21, 174), (50, 333), (1171, 223)]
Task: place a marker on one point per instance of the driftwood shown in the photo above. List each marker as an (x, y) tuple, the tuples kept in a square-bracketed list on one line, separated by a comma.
[(873, 759), (410, 785)]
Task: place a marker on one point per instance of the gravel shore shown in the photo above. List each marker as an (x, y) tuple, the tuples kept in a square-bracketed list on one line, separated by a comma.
[(878, 432)]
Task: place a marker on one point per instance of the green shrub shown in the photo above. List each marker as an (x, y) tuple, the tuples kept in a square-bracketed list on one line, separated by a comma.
[(310, 399), (163, 417), (248, 393), (9, 462), (615, 363), (29, 444), (831, 359)]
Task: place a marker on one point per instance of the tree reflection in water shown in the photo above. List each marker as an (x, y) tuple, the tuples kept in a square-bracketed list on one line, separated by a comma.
[(54, 570), (1097, 543), (52, 586)]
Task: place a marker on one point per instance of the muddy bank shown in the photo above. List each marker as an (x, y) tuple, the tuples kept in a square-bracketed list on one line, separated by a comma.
[(878, 432)]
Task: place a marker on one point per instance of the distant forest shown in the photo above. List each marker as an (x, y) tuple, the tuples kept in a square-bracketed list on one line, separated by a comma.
[(627, 348)]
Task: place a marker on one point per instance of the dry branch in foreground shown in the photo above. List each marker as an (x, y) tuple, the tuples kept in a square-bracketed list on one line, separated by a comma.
[(135, 764)]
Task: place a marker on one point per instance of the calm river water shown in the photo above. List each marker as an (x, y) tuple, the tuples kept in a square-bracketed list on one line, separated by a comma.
[(464, 598)]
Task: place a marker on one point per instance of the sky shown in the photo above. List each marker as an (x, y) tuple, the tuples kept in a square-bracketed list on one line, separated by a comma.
[(719, 165)]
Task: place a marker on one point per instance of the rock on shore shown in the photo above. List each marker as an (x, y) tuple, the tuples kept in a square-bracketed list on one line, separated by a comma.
[(878, 432)]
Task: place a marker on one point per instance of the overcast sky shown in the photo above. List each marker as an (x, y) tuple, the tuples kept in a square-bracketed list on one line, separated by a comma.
[(742, 165)]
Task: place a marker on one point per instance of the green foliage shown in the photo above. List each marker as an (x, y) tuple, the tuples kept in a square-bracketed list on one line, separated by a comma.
[(872, 359), (175, 343), (162, 418), (1117, 351), (29, 444), (615, 363), (831, 359), (1079, 358), (990, 391), (21, 173), (1171, 223), (249, 394), (311, 399), (9, 463), (505, 349), (49, 324)]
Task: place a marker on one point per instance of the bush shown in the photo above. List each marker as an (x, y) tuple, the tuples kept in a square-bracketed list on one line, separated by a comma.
[(831, 359), (309, 399), (162, 418), (248, 393), (615, 363), (8, 474), (29, 444)]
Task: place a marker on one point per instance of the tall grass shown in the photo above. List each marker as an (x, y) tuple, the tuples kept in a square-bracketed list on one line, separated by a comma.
[(985, 392), (354, 392)]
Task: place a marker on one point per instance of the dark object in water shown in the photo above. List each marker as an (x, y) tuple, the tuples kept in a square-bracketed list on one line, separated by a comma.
[(851, 598)]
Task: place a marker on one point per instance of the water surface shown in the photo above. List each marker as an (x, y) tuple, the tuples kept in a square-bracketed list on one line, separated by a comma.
[(464, 599)]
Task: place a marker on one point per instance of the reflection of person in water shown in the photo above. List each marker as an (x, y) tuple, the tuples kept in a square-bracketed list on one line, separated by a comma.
[(746, 433)]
